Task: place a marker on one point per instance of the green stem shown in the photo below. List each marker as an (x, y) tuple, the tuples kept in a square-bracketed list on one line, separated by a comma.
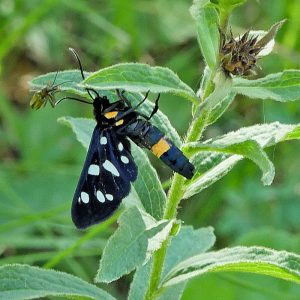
[(224, 18), (175, 195), (178, 189)]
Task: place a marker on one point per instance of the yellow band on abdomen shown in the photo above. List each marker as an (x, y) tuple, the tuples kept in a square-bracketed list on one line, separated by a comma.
[(160, 147)]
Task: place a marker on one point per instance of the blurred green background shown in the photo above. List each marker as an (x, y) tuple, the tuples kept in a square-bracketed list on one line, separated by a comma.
[(40, 160)]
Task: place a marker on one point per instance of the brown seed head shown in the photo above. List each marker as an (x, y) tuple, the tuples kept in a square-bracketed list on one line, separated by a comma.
[(239, 56)]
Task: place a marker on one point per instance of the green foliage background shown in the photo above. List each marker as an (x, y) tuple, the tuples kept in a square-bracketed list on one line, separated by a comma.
[(40, 160)]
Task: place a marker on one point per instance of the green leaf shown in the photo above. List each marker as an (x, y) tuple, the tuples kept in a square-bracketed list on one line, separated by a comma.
[(148, 185), (211, 104), (222, 89), (219, 100), (283, 86), (265, 135), (188, 242), (249, 149), (137, 77), (66, 80), (228, 5), (258, 260), (26, 282), (69, 82), (269, 36), (207, 22), (212, 175), (212, 166), (82, 127), (220, 108), (132, 244)]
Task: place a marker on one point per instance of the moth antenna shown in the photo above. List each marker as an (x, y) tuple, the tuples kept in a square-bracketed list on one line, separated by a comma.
[(74, 99), (82, 74), (78, 60)]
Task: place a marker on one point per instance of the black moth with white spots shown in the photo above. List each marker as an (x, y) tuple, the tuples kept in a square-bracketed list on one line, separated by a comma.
[(105, 179), (109, 168)]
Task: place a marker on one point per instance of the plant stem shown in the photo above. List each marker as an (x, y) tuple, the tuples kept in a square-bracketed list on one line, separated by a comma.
[(224, 17), (178, 188), (175, 195)]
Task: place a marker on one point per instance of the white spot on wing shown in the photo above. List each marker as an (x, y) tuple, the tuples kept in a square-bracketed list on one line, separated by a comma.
[(109, 197), (107, 165), (124, 159), (94, 170), (103, 140), (120, 147), (100, 197), (84, 197)]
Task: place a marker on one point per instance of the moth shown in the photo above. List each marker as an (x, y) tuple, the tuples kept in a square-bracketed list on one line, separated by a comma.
[(109, 168)]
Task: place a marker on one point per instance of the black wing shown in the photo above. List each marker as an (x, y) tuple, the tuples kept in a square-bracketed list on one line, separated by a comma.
[(105, 179)]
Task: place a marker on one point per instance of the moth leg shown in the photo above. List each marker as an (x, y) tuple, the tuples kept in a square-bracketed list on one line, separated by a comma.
[(122, 97), (111, 107), (155, 109), (132, 109)]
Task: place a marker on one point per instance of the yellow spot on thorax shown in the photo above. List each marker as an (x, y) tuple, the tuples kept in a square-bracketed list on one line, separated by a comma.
[(160, 147), (120, 122), (110, 115)]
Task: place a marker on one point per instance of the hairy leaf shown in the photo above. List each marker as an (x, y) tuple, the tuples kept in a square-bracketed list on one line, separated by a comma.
[(269, 36), (258, 260), (249, 149), (212, 166), (283, 86), (188, 242), (66, 80), (82, 127), (207, 21), (220, 108), (228, 5), (132, 244), (26, 282), (148, 186), (137, 77)]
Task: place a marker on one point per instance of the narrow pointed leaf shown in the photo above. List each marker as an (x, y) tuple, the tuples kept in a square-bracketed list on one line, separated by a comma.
[(220, 108), (223, 87), (147, 185), (228, 5), (212, 166), (270, 35), (249, 149), (207, 22), (82, 127), (214, 174), (27, 282), (258, 260), (132, 244), (283, 86), (66, 80), (188, 242), (137, 77)]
